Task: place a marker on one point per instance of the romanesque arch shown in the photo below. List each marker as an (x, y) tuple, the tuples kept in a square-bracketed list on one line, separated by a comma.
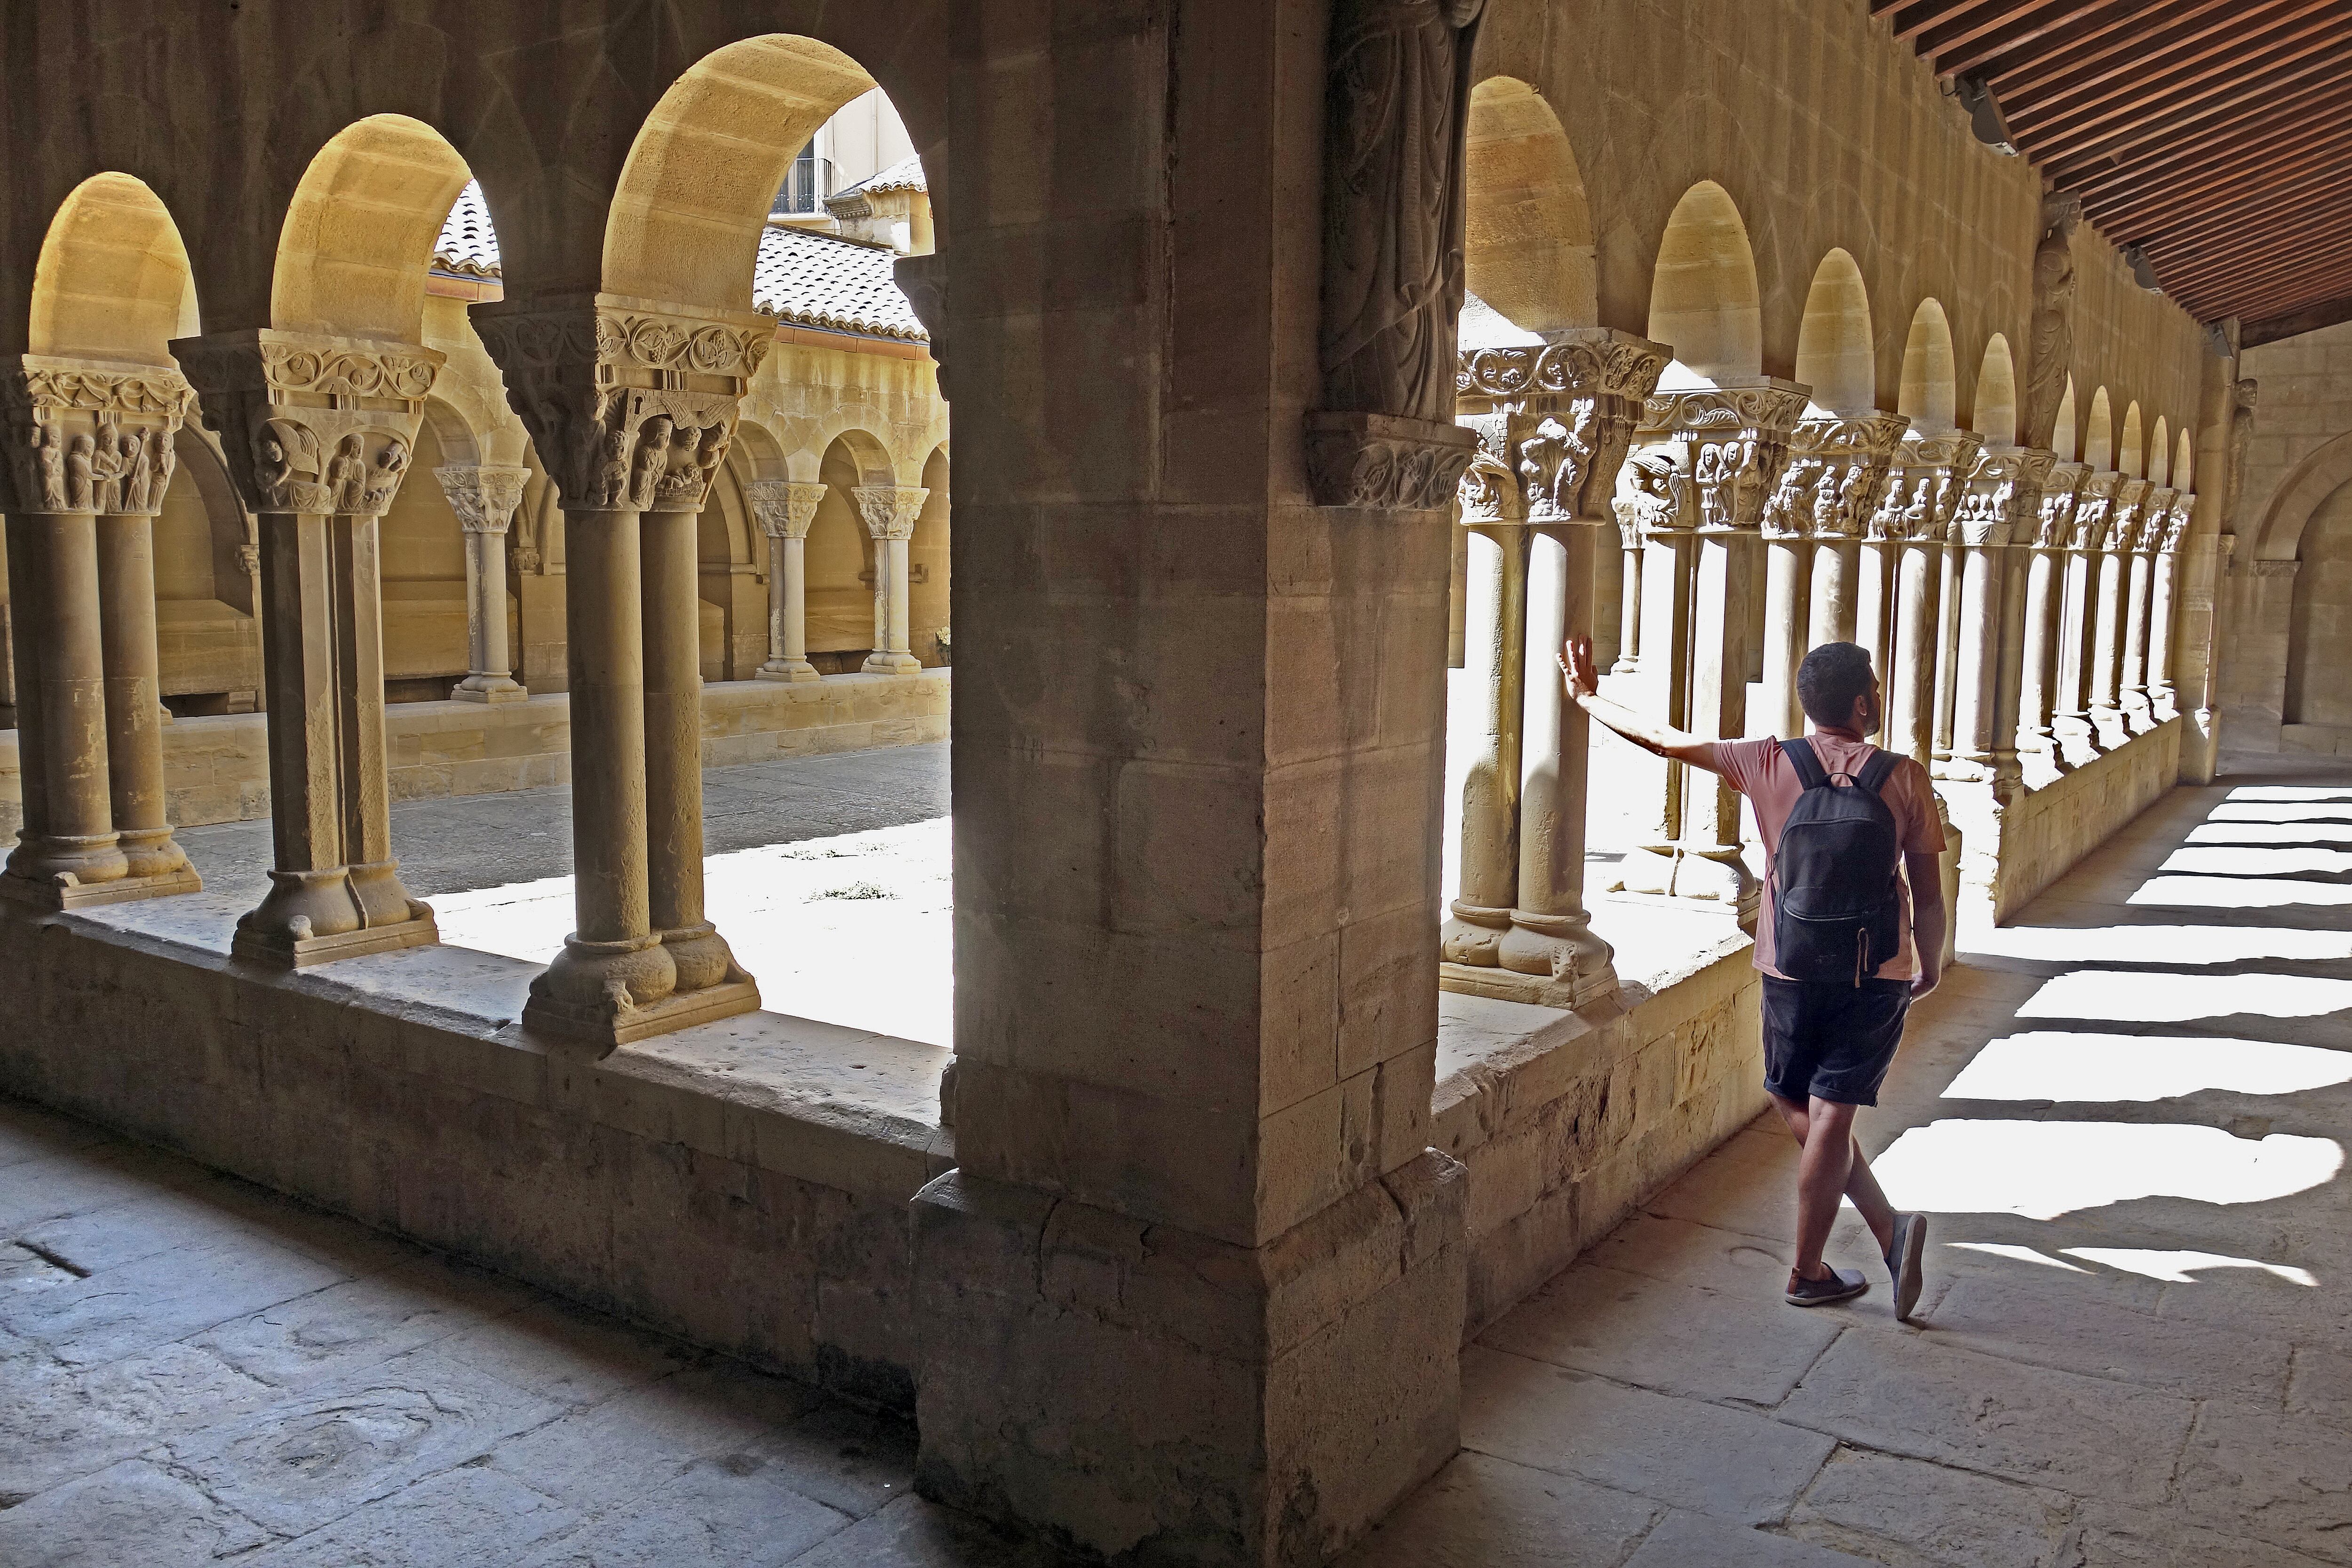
[(1836, 347), (2131, 444), (2063, 440), (2279, 536), (358, 236), (1704, 299), (1528, 252), (1930, 388), (1995, 417), (113, 280), (2159, 452), (2099, 433)]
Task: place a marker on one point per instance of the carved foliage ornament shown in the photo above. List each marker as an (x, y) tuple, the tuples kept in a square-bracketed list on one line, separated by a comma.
[(1390, 465), (1564, 414), (91, 437), (784, 508), (483, 497), (888, 511), (309, 423)]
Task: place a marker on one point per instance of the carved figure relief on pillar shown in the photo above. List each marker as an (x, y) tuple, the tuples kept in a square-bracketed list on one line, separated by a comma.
[(1397, 102), (2052, 351), (83, 437)]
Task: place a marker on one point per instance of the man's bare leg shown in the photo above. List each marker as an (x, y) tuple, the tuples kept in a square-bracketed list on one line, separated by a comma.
[(1822, 1178)]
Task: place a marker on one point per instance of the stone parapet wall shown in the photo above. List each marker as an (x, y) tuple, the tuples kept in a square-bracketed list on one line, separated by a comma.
[(217, 769), (2015, 852), (1567, 1121), (745, 1184)]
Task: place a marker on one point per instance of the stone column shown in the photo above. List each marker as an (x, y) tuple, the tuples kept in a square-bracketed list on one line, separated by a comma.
[(632, 406), (2108, 634), (2077, 738), (92, 448), (317, 433), (1922, 498), (2139, 712), (1631, 556), (1876, 552), (1554, 422), (1945, 652), (1496, 647), (2164, 700), (1654, 497), (785, 507), (1849, 457), (1737, 435), (2003, 486), (485, 497), (1787, 554), (2045, 574), (889, 514)]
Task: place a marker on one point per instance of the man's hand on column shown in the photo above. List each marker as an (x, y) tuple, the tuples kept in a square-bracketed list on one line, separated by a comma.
[(1576, 666)]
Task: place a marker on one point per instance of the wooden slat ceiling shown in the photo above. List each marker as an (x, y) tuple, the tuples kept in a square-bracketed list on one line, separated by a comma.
[(2216, 134)]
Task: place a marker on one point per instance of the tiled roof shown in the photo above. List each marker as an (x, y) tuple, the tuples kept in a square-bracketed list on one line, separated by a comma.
[(808, 278), (468, 246), (839, 285), (906, 174)]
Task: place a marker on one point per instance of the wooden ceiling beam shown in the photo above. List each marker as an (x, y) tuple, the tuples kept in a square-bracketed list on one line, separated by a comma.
[(2213, 116), (2211, 172), (1961, 26), (2295, 322), (2074, 171), (1909, 20), (2010, 63), (2207, 73), (2202, 225), (2319, 253), (2117, 54)]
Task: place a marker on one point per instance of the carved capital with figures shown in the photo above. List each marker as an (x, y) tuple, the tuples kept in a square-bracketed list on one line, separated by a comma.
[(1559, 415), (310, 423), (2093, 504), (1737, 434), (2054, 519), (1923, 481), (1837, 468), (2124, 516), (2003, 497), (89, 435), (889, 510), (484, 497), (784, 508)]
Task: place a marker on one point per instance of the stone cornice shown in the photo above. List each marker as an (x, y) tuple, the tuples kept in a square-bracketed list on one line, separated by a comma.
[(784, 508), (1381, 462), (92, 436), (1580, 362)]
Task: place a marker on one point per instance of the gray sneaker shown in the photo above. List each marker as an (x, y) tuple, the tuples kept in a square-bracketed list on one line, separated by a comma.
[(1902, 1262), (1843, 1285)]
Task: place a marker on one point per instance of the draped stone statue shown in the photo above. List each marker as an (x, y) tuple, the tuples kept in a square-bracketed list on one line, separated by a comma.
[(2053, 350), (2241, 430)]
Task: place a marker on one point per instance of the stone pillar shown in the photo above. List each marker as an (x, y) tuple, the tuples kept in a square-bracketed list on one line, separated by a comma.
[(1630, 557), (2164, 700), (1787, 556), (2107, 625), (785, 507), (485, 497), (889, 514), (1945, 652), (318, 432), (1924, 480), (2004, 485), (1496, 647), (1846, 458), (1737, 435), (92, 448), (2045, 574), (2077, 738), (1654, 498), (1554, 422), (2139, 712), (632, 404)]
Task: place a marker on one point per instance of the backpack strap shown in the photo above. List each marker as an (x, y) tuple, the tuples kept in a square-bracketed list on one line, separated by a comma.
[(1874, 772), (1808, 766)]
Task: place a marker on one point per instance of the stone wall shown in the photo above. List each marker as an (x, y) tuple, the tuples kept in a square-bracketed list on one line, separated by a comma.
[(217, 769), (740, 1185), (2041, 834)]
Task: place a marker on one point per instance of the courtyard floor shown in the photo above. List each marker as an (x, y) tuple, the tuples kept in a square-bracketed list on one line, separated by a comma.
[(2126, 1112)]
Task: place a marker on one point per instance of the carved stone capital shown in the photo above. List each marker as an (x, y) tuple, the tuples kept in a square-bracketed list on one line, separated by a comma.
[(1923, 481), (889, 510), (2054, 520), (1384, 463), (631, 403), (2124, 516), (1837, 466), (310, 423), (1490, 493), (2176, 522), (1653, 494), (2093, 503), (1737, 434), (784, 508), (483, 496), (2002, 498), (89, 435), (2154, 516), (1561, 415)]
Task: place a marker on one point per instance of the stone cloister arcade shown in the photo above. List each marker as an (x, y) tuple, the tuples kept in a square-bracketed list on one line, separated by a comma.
[(1178, 1260)]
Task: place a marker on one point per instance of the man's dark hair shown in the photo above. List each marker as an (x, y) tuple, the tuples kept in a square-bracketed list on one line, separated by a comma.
[(1832, 676)]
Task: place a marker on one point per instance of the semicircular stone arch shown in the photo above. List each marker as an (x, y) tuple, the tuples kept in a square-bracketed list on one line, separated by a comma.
[(2131, 444), (2099, 433), (1528, 249), (1704, 299), (1995, 416), (113, 279), (358, 238), (1836, 347), (1930, 394)]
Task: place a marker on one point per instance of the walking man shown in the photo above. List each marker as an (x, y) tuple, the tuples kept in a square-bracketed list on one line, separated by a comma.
[(1850, 831)]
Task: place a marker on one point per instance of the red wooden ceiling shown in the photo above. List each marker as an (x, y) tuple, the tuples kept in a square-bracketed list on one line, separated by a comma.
[(2215, 133)]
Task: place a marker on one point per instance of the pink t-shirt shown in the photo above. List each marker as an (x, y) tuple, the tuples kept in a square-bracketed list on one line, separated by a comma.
[(1760, 771)]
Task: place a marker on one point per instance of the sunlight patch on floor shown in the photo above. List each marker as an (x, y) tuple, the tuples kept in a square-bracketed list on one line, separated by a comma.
[(2244, 861), (2236, 893), (2017, 1254), (2046, 1169), (2291, 793), (2271, 833), (2159, 945), (2174, 1268), (2057, 1065), (2136, 996), (855, 930), (2279, 811)]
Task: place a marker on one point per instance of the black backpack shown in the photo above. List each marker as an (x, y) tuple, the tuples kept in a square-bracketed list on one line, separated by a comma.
[(1838, 912)]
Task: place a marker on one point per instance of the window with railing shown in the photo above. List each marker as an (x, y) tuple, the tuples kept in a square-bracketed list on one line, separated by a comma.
[(805, 186)]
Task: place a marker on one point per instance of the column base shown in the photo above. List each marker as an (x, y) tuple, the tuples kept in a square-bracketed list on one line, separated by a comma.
[(2109, 729), (287, 950), (891, 664), (1561, 952), (1719, 874), (788, 670), (606, 1026), (488, 689), (1649, 869), (66, 861), (2077, 742), (65, 892), (1570, 993), (1146, 1395), (1473, 936)]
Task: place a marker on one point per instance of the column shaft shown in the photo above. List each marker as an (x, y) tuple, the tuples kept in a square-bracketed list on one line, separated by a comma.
[(1976, 663), (1628, 609), (1711, 864), (1910, 691), (68, 840), (134, 700), (1830, 605), (2133, 696), (1874, 606), (1948, 587), (2106, 650), (2009, 676), (1784, 628), (2163, 701), (1663, 685), (1496, 645), (2045, 569)]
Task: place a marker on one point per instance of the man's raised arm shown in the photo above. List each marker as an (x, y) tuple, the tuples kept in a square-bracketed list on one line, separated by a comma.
[(1661, 739)]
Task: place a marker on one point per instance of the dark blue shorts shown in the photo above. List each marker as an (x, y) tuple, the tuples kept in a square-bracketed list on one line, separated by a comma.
[(1832, 1041)]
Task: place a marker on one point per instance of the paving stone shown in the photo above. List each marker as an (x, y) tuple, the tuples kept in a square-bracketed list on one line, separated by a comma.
[(469, 1515), (738, 1512), (23, 1272), (2048, 1327), (107, 1238), (2321, 1384), (1731, 1463), (1480, 1511), (2246, 1471), (1676, 1338), (2113, 1537), (28, 1131), (567, 1353), (1911, 1514), (362, 1322), (129, 1515), (1696, 1541), (913, 1533), (640, 1437), (166, 1297), (851, 1460), (1906, 1396), (83, 1179), (58, 1422), (306, 1461)]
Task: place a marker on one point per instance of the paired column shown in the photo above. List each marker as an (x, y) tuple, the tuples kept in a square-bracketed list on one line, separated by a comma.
[(1554, 422), (2004, 485), (632, 408), (2045, 574), (1629, 605), (92, 448), (2163, 701), (1922, 501), (1653, 497), (1787, 555), (1847, 456), (2107, 721), (485, 499), (2086, 540), (317, 433), (785, 509), (889, 512), (2139, 712)]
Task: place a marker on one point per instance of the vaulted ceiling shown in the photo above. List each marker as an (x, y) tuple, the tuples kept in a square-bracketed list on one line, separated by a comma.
[(2216, 134)]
